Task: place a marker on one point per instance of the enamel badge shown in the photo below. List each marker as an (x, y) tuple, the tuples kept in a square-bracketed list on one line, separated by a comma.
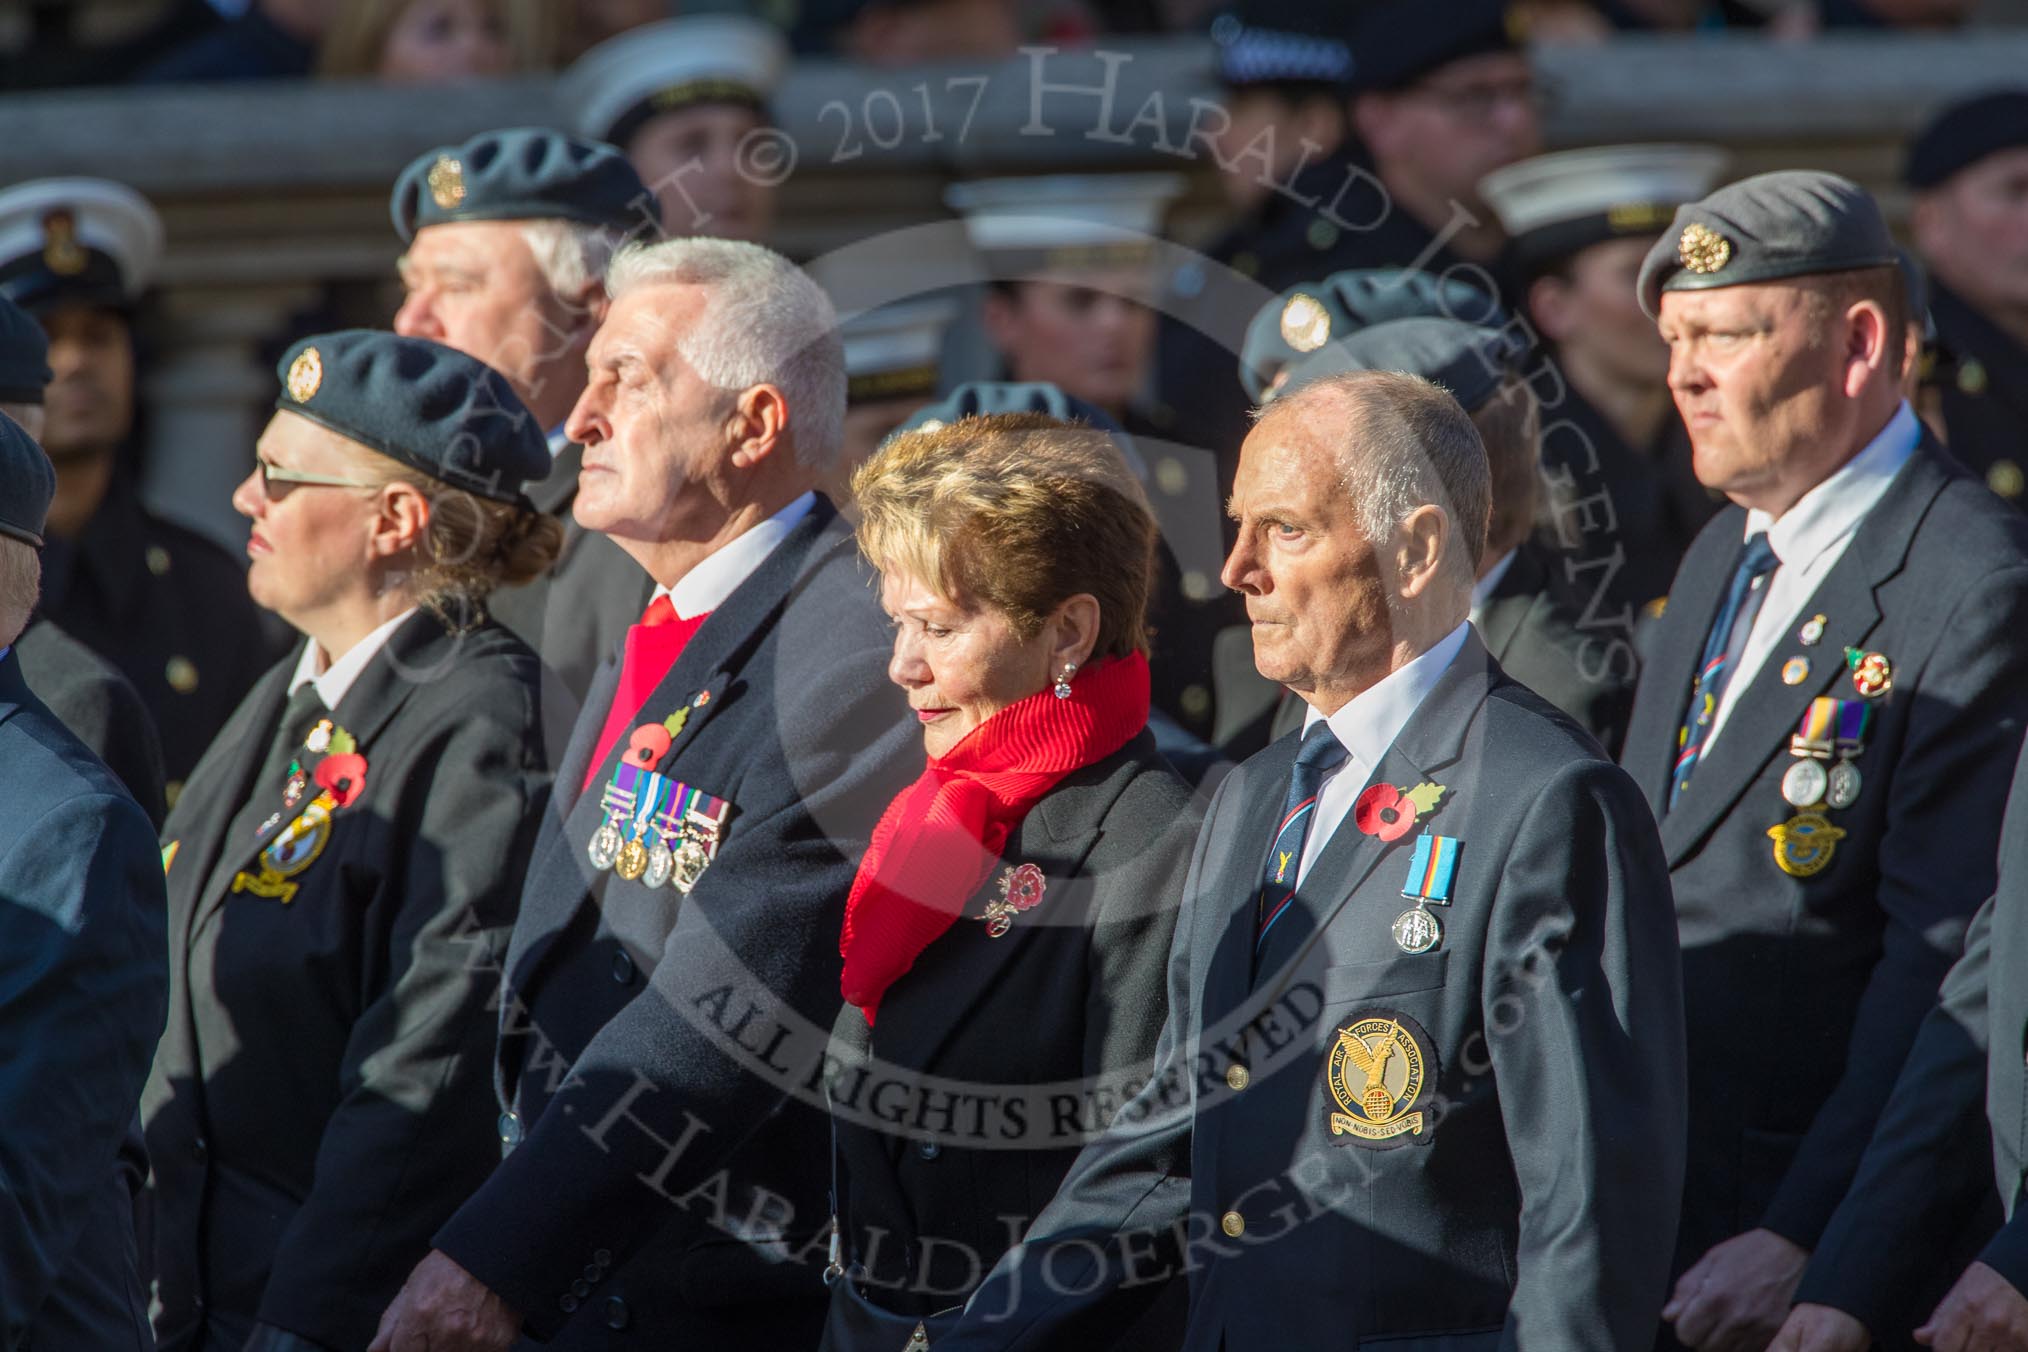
[(1804, 844), (1379, 1073), (1021, 889), (330, 761)]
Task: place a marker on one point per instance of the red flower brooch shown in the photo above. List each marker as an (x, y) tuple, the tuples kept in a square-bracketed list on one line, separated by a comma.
[(1021, 888), (342, 777), (1388, 812)]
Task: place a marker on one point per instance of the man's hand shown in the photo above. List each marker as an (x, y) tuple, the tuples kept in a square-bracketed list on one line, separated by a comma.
[(443, 1308), (1821, 1328), (1983, 1313), (1735, 1297)]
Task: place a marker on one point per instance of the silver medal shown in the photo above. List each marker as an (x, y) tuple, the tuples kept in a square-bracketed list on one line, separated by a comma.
[(605, 846), (1417, 931), (690, 863), (1803, 785), (1844, 783), (661, 863)]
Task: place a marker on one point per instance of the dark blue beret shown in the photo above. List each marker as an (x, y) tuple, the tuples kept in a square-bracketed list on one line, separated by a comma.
[(1281, 42), (27, 483), (1793, 223), (1396, 43), (1965, 133), (523, 174), (1306, 317), (1468, 360), (24, 356), (984, 398), (428, 406)]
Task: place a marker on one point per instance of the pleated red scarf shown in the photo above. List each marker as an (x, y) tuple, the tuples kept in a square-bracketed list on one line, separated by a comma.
[(940, 838)]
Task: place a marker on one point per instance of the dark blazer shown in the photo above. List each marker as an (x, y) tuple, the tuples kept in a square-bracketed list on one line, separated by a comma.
[(1072, 995), (1543, 642), (1928, 1175), (91, 698), (576, 615), (670, 1173), (169, 609), (1530, 1204), (83, 989), (1803, 994), (322, 1099), (1981, 376)]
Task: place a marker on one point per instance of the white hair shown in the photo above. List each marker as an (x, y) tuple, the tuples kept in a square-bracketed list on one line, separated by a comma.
[(570, 254), (765, 322), (20, 586)]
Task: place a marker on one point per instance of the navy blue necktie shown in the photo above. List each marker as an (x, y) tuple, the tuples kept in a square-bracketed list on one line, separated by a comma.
[(1742, 603), (1321, 753)]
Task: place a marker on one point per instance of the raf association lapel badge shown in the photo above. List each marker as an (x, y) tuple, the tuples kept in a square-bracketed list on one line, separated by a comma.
[(1378, 1074), (1021, 889)]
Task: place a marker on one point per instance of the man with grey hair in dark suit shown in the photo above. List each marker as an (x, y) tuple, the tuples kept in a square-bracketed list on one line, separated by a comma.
[(1424, 1050)]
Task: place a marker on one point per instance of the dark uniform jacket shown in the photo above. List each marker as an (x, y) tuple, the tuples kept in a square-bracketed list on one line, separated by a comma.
[(576, 615), (1981, 375), (170, 610), (83, 987), (1542, 642), (322, 1099), (669, 1155), (1071, 996), (1804, 992), (1929, 1170), (1514, 1187), (91, 698)]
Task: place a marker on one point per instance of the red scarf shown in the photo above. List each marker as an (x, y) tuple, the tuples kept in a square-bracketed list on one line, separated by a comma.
[(940, 838)]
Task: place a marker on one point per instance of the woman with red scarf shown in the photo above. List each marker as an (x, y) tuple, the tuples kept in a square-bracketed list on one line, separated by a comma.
[(1007, 936)]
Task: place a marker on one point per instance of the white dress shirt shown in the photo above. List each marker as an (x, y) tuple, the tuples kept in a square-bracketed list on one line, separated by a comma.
[(1367, 726), (333, 679), (704, 588), (1482, 590), (1808, 539)]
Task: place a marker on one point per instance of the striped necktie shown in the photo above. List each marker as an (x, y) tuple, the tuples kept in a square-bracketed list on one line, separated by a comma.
[(1721, 653), (1321, 753)]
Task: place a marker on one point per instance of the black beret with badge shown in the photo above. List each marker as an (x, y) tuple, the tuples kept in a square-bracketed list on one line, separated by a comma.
[(425, 405), (24, 356), (1469, 360), (1965, 133), (1305, 318), (1768, 228), (523, 174), (76, 241), (1397, 43), (27, 483)]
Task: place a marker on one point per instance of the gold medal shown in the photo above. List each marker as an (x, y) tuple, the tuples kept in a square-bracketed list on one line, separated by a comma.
[(633, 861)]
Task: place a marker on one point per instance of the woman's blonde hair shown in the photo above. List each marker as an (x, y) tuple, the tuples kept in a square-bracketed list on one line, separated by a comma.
[(358, 36), (1019, 512), (471, 546)]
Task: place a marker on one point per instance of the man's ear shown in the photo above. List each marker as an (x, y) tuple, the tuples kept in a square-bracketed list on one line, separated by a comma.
[(759, 425), (1424, 536)]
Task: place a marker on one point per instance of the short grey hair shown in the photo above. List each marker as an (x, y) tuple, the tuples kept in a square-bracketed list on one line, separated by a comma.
[(570, 254), (20, 586), (765, 322), (1406, 443)]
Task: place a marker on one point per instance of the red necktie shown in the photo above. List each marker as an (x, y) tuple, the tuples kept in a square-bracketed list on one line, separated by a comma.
[(653, 646)]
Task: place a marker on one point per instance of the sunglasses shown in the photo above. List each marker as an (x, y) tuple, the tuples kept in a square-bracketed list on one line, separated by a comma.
[(272, 474)]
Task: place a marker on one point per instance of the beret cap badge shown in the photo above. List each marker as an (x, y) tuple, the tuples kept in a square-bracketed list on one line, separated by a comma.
[(447, 182), (306, 374), (1306, 324), (1702, 249), (60, 250)]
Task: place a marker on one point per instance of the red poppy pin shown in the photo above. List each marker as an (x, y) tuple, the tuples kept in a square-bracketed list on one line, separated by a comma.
[(1021, 888), (648, 744), (1388, 812), (342, 777)]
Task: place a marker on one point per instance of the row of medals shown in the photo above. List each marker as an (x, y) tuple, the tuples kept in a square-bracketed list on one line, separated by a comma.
[(1808, 784), (655, 863)]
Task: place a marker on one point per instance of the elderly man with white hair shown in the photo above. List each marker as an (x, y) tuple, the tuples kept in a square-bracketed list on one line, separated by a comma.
[(665, 1153)]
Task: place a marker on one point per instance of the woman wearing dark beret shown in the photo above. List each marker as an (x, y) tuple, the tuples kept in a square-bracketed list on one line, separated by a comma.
[(1009, 926), (344, 864)]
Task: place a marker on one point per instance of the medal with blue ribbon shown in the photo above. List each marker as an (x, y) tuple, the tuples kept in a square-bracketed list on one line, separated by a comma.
[(1431, 869)]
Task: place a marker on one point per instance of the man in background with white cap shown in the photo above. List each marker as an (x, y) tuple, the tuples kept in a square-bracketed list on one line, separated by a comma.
[(685, 100), (1578, 223), (166, 606)]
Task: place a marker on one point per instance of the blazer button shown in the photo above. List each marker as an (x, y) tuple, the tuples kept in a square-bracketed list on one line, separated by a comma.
[(623, 968), (928, 1150), (616, 1313), (198, 1149), (580, 1289), (1236, 1077), (568, 1304), (603, 1257), (1233, 1224), (509, 1127), (594, 1273)]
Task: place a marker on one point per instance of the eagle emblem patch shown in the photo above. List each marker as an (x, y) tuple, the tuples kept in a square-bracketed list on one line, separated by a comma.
[(1379, 1072)]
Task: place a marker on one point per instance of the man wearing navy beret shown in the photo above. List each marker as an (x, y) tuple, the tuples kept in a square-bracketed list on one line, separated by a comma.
[(84, 985), (509, 236), (1824, 726)]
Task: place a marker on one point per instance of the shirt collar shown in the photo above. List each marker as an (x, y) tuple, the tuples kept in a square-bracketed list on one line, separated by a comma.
[(333, 681), (1372, 719), (1834, 508), (704, 588), (1482, 590)]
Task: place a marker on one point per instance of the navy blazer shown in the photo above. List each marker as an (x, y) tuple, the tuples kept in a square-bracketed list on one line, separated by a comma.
[(1803, 993), (661, 1055), (83, 994), (1523, 1191)]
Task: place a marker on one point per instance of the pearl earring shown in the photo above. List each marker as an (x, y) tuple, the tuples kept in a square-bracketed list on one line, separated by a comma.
[(1063, 681)]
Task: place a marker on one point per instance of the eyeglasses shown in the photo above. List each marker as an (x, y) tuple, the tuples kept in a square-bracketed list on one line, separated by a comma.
[(272, 474), (1478, 102)]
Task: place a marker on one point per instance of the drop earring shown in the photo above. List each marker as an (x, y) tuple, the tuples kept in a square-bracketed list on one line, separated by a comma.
[(1063, 681)]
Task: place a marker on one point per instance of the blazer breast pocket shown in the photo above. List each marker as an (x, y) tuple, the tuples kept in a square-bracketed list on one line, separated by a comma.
[(1401, 974)]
